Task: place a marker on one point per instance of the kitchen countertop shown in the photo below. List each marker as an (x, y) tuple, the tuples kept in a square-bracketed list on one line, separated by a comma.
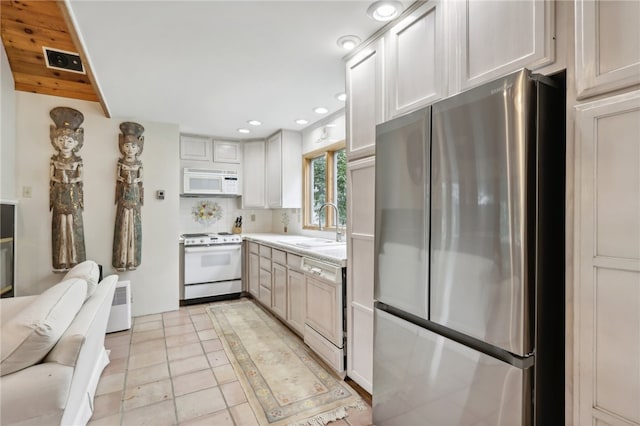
[(334, 253)]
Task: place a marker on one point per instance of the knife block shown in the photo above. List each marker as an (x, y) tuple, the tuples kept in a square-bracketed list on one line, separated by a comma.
[(236, 230)]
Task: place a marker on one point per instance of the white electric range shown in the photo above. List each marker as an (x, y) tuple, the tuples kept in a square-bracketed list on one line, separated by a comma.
[(210, 267)]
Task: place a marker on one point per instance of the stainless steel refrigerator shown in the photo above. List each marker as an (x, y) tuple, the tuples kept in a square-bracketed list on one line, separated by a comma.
[(469, 267)]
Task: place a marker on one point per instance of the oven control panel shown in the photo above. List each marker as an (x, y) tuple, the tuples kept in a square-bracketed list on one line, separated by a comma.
[(211, 239)]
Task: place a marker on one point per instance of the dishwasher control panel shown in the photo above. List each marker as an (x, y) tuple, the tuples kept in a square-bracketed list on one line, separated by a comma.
[(322, 269)]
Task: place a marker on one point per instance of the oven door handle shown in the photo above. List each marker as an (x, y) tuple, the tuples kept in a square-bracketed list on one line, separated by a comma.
[(210, 249)]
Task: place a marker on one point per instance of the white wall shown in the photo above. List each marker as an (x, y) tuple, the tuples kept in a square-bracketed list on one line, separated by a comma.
[(155, 283), (7, 129)]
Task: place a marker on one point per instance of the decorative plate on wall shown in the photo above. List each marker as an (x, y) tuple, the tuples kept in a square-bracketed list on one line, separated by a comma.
[(206, 212)]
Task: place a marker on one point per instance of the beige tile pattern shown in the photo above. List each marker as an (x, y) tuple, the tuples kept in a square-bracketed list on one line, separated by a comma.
[(171, 369)]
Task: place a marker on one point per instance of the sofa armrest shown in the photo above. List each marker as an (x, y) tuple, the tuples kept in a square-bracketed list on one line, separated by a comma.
[(38, 393)]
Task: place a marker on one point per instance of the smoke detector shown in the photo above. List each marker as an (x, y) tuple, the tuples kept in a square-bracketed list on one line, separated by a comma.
[(63, 60)]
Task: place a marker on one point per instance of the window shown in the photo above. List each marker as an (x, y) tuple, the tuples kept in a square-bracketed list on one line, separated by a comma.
[(325, 181)]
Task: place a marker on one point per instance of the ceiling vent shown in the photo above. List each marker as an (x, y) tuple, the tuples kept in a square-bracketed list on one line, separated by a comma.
[(62, 60)]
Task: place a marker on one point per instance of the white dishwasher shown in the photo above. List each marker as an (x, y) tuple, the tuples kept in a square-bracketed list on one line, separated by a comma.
[(324, 325)]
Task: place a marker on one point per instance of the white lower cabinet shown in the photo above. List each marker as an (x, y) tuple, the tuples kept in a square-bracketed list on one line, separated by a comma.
[(279, 289), (296, 300), (254, 275)]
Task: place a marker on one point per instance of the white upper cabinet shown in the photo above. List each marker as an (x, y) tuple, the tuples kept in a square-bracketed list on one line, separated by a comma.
[(607, 46), (226, 152), (498, 37), (364, 75), (195, 148), (284, 170), (253, 194), (415, 60)]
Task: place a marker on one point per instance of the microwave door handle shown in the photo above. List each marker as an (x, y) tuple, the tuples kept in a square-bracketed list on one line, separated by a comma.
[(221, 248)]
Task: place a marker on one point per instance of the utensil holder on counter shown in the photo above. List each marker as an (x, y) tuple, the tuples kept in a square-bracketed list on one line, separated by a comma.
[(236, 230)]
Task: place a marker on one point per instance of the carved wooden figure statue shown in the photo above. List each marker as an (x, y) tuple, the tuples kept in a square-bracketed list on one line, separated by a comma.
[(127, 235), (66, 199)]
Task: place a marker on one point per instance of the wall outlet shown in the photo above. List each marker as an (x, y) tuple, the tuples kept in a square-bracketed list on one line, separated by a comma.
[(26, 192), (253, 218)]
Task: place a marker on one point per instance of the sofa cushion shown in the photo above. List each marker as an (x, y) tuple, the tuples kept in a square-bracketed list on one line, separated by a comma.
[(30, 335), (88, 271)]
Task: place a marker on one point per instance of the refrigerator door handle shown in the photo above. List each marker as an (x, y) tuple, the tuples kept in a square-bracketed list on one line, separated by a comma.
[(468, 341)]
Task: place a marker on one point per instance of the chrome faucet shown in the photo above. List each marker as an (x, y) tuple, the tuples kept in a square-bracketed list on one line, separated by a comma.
[(338, 233)]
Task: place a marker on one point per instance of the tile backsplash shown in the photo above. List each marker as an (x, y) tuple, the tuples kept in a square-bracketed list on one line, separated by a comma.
[(230, 209), (266, 220)]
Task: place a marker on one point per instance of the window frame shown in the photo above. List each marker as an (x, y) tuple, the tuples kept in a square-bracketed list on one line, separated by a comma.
[(330, 169)]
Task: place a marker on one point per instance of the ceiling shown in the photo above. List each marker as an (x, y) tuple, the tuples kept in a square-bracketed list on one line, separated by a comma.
[(210, 66)]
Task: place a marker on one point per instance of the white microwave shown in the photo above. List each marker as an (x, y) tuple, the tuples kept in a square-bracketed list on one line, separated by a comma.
[(210, 182)]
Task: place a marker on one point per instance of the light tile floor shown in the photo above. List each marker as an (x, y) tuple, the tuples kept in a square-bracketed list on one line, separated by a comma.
[(171, 369)]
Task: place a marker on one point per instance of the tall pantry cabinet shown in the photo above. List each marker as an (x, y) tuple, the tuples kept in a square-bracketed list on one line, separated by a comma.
[(606, 330), (364, 111)]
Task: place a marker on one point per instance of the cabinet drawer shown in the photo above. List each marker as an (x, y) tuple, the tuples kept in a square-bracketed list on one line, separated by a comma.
[(265, 263), (254, 247), (279, 256), (265, 251), (294, 261), (265, 296), (265, 278), (332, 355)]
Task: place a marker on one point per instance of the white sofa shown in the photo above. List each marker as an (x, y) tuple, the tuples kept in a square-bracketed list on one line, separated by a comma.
[(60, 386)]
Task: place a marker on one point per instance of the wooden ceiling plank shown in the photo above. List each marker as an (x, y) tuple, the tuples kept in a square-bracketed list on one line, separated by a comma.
[(25, 56), (28, 25), (31, 7), (57, 92), (35, 19), (28, 68), (52, 82), (38, 36)]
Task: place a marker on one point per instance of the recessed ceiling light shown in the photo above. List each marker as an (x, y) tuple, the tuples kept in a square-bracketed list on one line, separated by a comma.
[(244, 130), (341, 97), (320, 110), (254, 122), (301, 121), (348, 42), (384, 10)]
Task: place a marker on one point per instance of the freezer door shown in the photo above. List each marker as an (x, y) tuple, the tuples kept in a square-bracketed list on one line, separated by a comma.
[(401, 212), (483, 193), (421, 378)]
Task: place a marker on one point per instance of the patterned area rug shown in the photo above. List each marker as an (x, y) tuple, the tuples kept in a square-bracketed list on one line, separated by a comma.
[(284, 384)]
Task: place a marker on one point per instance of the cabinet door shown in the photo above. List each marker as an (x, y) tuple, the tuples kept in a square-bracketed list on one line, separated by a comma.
[(226, 152), (415, 62), (360, 258), (196, 148), (607, 253), (274, 171), (279, 290), (324, 310), (607, 45), (253, 194), (498, 37), (254, 275), (265, 288), (364, 99), (296, 300)]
